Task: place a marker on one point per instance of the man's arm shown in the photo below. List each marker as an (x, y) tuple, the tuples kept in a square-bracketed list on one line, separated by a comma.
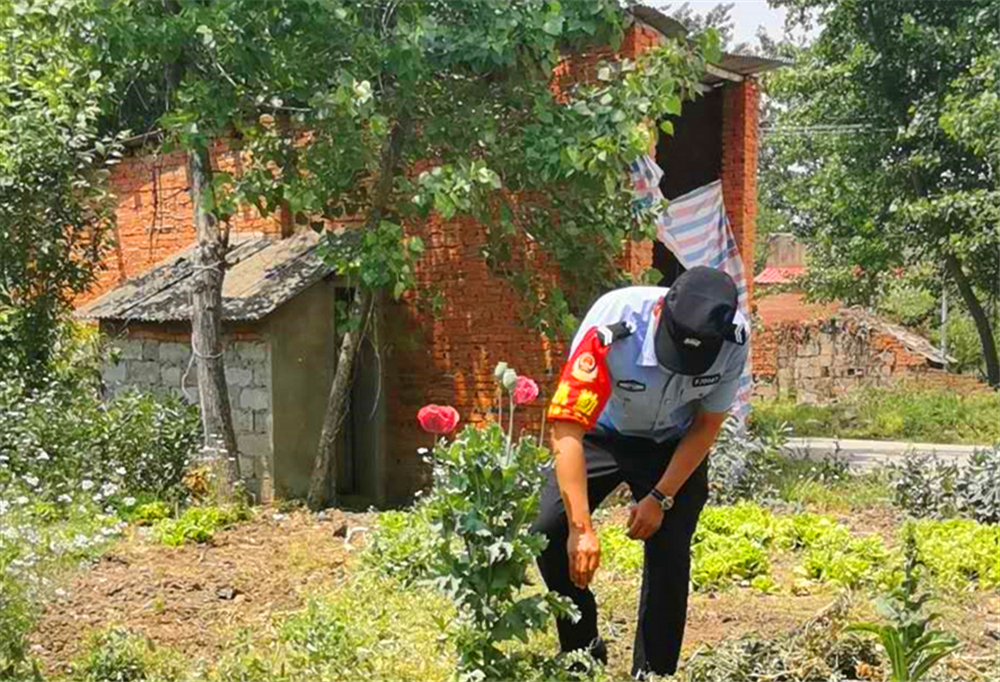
[(647, 515), (584, 389), (571, 473)]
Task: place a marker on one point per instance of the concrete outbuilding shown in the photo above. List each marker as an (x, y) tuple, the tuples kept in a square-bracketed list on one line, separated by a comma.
[(279, 326)]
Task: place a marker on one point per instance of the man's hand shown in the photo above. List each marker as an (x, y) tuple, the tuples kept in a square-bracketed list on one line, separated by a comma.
[(645, 518), (584, 556)]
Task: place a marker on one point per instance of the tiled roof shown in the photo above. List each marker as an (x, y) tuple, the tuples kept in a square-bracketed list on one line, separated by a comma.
[(785, 275), (261, 274)]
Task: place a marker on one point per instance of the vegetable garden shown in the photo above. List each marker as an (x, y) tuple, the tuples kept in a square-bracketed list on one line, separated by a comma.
[(795, 564)]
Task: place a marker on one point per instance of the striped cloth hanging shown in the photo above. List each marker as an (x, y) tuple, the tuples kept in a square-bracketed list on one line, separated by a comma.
[(695, 228)]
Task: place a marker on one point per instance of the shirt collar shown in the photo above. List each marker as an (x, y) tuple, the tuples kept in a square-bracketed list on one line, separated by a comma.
[(647, 358)]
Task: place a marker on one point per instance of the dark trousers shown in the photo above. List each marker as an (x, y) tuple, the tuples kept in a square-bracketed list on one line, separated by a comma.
[(640, 463)]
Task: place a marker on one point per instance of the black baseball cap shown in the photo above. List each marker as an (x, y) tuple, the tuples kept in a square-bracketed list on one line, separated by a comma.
[(697, 318)]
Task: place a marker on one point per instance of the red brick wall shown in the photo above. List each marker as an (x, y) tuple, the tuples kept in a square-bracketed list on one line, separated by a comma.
[(740, 118), (154, 215)]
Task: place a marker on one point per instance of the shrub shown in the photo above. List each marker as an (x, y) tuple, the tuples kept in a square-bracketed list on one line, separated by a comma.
[(198, 524), (744, 464), (978, 485), (60, 440), (924, 485)]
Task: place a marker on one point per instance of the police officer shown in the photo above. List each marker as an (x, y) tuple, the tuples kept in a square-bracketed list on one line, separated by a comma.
[(651, 376)]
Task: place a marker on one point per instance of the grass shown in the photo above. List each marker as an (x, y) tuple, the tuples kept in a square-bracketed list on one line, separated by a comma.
[(804, 483), (909, 414)]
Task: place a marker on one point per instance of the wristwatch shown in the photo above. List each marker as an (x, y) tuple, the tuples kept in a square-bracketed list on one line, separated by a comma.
[(666, 501)]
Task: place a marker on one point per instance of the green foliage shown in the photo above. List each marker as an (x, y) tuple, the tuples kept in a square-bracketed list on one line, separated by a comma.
[(959, 553), (63, 439), (485, 496), (838, 558), (401, 545), (198, 524), (117, 655), (908, 414), (911, 645), (466, 90), (149, 513), (924, 485), (53, 160), (744, 462), (895, 167)]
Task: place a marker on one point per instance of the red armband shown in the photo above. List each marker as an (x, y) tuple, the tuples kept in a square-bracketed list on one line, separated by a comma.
[(585, 383)]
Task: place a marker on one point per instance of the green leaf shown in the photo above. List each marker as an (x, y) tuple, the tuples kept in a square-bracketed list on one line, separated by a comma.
[(553, 26), (673, 105), (667, 127), (416, 245)]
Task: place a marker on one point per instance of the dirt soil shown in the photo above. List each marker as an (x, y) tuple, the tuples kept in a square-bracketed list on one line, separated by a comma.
[(192, 598)]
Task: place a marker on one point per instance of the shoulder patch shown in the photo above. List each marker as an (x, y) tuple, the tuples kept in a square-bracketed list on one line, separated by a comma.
[(608, 334)]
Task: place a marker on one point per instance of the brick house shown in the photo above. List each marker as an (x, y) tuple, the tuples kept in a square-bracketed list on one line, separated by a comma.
[(418, 356)]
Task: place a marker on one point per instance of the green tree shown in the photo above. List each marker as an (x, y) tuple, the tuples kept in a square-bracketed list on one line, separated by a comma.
[(885, 153), (333, 103), (53, 206)]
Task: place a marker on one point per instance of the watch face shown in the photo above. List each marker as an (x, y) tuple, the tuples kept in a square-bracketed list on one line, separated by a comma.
[(667, 503)]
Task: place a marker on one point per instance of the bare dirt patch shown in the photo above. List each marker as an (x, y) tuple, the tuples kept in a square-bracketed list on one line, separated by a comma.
[(191, 598)]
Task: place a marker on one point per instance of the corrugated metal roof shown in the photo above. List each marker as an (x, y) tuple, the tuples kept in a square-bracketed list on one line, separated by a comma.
[(773, 275), (261, 274)]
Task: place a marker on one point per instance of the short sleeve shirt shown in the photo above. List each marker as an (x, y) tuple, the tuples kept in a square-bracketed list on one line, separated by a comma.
[(613, 379)]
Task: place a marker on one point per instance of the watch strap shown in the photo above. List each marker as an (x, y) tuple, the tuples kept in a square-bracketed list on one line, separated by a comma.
[(657, 495)]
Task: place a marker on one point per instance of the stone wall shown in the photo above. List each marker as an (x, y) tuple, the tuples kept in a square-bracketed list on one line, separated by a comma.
[(818, 361), (156, 362)]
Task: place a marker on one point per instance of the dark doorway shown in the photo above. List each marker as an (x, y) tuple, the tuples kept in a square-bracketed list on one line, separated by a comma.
[(690, 158)]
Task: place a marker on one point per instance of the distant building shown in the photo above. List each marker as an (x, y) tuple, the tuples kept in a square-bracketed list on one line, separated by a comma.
[(816, 353)]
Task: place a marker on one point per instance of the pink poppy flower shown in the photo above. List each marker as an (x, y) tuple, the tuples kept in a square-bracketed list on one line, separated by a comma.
[(439, 419), (525, 391)]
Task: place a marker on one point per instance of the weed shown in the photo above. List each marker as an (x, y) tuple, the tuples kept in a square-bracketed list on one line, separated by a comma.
[(912, 647), (924, 485), (117, 655), (401, 545), (909, 413), (198, 524)]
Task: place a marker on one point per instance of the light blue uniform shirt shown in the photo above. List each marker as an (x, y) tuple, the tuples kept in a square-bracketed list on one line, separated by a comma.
[(648, 400)]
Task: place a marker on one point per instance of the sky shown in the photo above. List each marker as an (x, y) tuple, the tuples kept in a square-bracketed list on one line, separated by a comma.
[(746, 14)]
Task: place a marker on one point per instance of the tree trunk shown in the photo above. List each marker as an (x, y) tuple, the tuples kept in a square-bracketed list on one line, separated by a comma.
[(979, 316), (323, 476), (206, 324)]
